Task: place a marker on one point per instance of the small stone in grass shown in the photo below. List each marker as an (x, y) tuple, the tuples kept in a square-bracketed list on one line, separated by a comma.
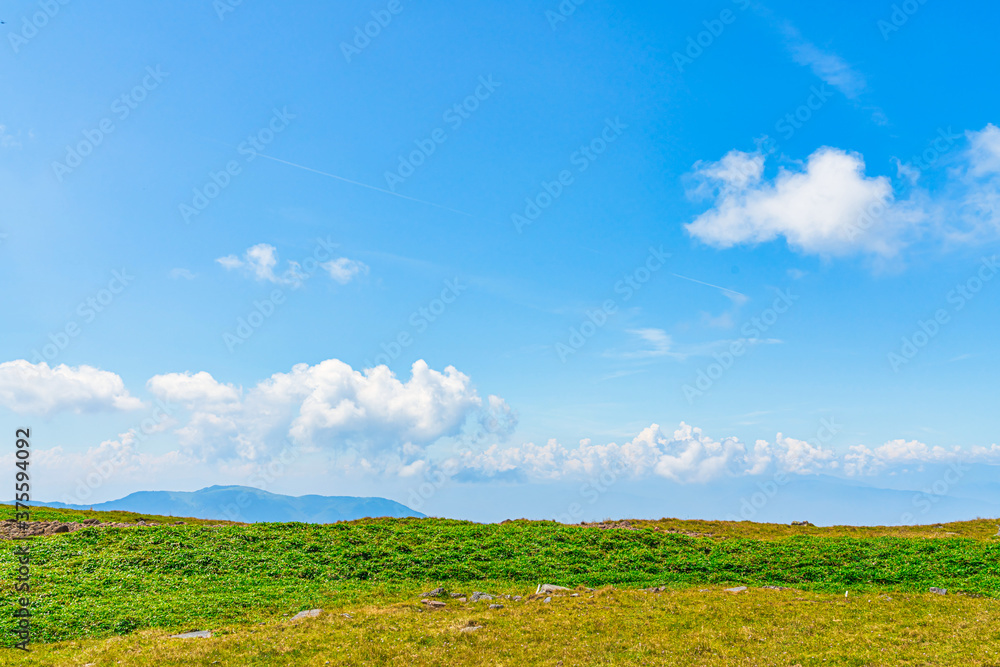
[(939, 591)]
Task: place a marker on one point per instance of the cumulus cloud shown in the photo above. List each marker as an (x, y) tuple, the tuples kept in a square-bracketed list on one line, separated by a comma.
[(829, 206), (261, 260), (819, 209), (329, 406), (683, 455), (38, 389), (193, 389), (860, 460), (687, 455)]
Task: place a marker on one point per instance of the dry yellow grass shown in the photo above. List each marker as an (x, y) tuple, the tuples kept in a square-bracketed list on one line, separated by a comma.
[(689, 627)]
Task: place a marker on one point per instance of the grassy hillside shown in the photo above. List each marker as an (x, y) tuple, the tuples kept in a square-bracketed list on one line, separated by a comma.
[(110, 581)]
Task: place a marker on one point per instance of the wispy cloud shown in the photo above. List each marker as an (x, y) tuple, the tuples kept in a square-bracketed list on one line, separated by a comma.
[(828, 66), (261, 260)]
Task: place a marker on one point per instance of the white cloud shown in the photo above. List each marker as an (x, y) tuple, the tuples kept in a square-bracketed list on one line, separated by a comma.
[(829, 67), (860, 460), (831, 207), (38, 389), (193, 389), (261, 260), (820, 209), (685, 455), (8, 140), (658, 344), (329, 406), (343, 270), (186, 274), (976, 189)]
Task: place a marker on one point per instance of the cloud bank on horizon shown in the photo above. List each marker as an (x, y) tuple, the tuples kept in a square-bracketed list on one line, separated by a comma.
[(390, 429)]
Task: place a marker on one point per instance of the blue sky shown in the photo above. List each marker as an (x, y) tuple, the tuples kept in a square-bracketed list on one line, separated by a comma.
[(612, 200)]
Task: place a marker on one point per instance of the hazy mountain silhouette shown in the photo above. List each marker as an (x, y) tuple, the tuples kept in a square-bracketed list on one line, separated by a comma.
[(242, 503)]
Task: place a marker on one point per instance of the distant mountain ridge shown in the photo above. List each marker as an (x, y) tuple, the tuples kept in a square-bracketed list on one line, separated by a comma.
[(250, 505)]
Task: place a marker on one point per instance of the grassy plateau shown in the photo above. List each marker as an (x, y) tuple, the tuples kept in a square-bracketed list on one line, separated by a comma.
[(106, 596)]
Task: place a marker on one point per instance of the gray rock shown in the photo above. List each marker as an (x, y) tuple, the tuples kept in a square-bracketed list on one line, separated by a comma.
[(197, 634), (480, 595), (309, 613), (549, 588), (939, 591), (548, 599), (517, 598), (471, 628), (437, 592), (496, 606), (738, 589)]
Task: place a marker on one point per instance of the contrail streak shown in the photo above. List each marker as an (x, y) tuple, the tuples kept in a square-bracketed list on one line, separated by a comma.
[(364, 185), (710, 285)]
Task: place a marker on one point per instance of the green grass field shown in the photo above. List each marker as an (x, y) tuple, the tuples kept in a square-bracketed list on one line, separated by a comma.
[(106, 594)]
